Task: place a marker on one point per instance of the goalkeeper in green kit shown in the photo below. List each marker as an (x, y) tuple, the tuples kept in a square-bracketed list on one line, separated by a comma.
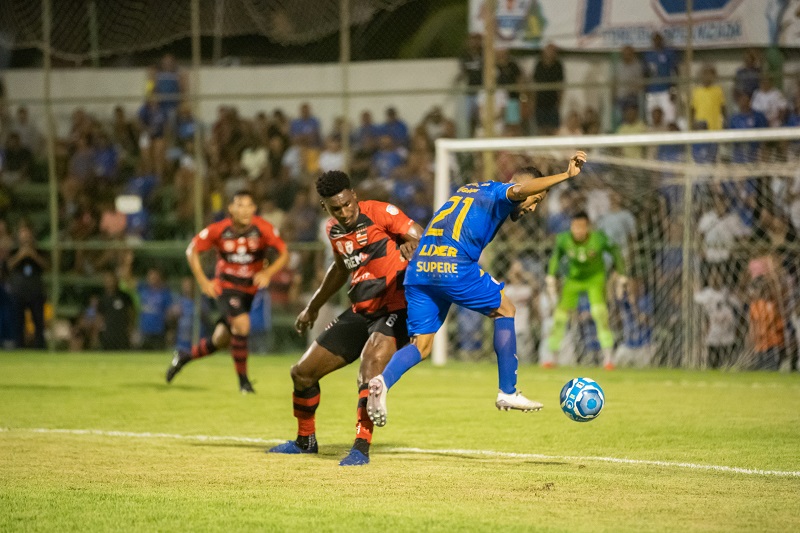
[(584, 249)]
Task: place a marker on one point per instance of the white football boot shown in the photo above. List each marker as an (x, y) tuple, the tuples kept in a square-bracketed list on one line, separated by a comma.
[(376, 401), (507, 402)]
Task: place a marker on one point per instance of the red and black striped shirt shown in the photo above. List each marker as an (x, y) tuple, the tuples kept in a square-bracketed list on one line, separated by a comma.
[(240, 254), (371, 252)]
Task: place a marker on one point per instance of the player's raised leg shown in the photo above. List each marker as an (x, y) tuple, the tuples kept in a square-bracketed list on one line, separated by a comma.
[(376, 354), (426, 314), (505, 347), (220, 338), (316, 363)]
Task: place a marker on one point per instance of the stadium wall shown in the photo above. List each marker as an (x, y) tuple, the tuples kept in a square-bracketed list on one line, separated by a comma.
[(411, 86)]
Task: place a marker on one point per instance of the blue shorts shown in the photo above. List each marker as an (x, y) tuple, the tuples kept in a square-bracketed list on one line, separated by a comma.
[(428, 304)]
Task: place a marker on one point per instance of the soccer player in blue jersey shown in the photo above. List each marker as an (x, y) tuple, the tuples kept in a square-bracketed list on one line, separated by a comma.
[(444, 270)]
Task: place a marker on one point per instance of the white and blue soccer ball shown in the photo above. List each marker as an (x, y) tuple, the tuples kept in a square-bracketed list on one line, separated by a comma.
[(582, 399)]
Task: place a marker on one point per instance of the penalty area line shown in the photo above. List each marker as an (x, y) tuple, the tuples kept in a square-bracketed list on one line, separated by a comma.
[(419, 451)]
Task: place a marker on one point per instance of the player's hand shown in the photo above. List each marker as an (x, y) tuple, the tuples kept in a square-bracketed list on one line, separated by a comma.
[(552, 290), (210, 288), (576, 163), (620, 286), (305, 320), (407, 250), (261, 279)]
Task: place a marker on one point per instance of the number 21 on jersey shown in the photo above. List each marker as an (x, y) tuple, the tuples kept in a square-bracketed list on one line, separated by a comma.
[(444, 213)]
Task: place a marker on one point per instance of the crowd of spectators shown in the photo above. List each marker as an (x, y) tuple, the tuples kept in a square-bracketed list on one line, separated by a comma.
[(133, 178)]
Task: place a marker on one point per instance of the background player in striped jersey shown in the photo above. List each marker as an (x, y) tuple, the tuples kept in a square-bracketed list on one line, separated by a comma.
[(372, 242), (243, 242), (445, 271)]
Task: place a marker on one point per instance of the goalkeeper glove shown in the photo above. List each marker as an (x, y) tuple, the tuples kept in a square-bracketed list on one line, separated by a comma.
[(619, 290), (552, 292)]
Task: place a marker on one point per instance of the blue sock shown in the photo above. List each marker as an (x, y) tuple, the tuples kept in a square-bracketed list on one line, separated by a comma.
[(505, 346), (401, 361)]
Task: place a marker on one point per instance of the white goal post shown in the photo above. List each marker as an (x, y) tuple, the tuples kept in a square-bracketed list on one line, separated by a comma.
[(447, 148)]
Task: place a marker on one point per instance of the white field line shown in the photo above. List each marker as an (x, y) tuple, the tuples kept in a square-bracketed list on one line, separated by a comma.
[(476, 453)]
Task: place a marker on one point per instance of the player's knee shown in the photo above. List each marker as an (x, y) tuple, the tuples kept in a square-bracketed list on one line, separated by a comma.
[(299, 378), (424, 344), (599, 314), (240, 325)]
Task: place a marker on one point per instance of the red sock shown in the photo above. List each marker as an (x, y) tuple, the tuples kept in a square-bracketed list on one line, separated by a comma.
[(203, 348), (239, 353), (364, 425), (305, 404)]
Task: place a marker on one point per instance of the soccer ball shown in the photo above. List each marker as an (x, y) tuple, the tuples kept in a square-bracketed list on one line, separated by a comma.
[(582, 399)]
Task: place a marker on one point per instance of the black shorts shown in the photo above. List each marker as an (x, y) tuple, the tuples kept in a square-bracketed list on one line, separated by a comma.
[(349, 332), (233, 303)]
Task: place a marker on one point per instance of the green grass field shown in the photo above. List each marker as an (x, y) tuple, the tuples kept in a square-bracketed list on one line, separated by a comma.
[(552, 475)]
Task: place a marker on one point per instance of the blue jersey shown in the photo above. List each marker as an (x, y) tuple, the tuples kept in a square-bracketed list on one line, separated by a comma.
[(458, 233), (660, 64), (155, 303)]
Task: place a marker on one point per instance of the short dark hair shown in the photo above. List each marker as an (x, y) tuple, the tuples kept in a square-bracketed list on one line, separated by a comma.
[(242, 192), (530, 169), (580, 215), (332, 183)]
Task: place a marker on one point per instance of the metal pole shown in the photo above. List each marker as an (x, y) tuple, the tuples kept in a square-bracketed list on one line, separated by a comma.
[(441, 191), (94, 40), (55, 252), (199, 166), (344, 62), (219, 14), (489, 83), (689, 358)]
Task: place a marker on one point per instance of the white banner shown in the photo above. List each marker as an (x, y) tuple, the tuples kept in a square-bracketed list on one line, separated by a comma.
[(610, 24)]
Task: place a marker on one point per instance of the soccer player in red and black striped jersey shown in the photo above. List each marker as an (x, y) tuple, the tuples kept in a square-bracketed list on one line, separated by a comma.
[(243, 242), (372, 242)]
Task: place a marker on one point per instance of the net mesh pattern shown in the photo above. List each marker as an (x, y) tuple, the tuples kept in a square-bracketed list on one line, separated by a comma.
[(126, 26), (712, 284)]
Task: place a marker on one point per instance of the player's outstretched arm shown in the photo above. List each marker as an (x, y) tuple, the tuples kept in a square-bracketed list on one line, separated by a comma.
[(521, 191), (335, 277)]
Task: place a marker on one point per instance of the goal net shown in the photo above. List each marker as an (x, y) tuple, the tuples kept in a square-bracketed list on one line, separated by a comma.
[(707, 224)]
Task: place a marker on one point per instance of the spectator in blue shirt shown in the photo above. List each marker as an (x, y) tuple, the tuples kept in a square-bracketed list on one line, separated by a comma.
[(155, 300), (636, 311), (660, 62), (746, 118), (169, 85), (183, 313), (106, 159), (153, 121), (747, 76), (367, 133), (387, 158), (306, 126), (395, 128)]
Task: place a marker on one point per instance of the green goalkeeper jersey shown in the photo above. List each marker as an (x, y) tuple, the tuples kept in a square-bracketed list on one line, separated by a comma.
[(585, 258)]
